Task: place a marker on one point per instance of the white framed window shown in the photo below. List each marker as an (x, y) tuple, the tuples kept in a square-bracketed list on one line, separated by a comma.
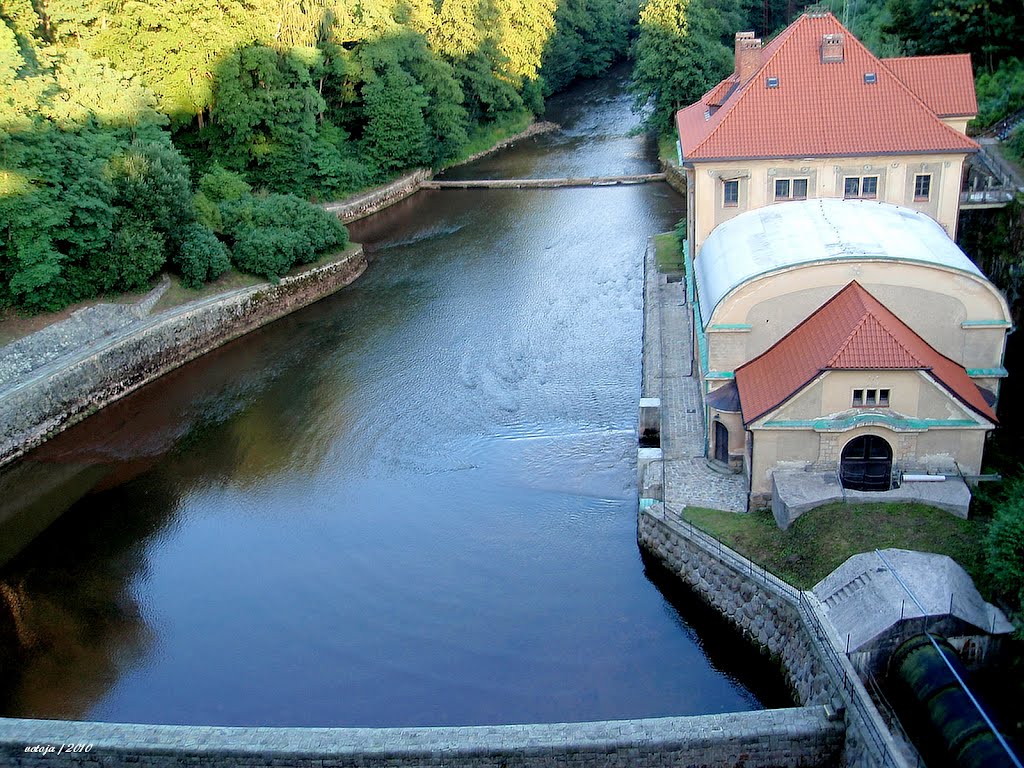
[(860, 187), (791, 189), (871, 398), (922, 187), (730, 193)]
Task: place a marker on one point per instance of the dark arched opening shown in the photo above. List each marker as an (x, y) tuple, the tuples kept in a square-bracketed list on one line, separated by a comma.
[(866, 464), (721, 443)]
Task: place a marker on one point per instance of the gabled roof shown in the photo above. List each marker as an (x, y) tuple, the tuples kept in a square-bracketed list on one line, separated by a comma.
[(817, 109), (851, 331), (944, 83)]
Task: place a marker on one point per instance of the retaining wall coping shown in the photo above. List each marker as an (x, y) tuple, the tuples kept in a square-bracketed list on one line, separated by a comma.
[(785, 725)]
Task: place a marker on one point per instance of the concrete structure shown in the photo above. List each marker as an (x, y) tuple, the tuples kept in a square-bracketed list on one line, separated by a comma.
[(866, 602), (891, 130), (784, 738)]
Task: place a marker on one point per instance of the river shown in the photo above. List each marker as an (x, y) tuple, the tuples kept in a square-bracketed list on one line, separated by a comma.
[(412, 503)]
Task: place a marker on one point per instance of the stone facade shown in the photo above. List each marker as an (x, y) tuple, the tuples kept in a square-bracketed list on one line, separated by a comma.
[(53, 400), (766, 739), (788, 625)]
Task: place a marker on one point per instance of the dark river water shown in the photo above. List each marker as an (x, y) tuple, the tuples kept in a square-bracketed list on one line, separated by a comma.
[(412, 503)]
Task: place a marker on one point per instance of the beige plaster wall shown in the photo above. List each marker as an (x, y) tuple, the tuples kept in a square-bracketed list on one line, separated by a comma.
[(934, 302), (825, 179)]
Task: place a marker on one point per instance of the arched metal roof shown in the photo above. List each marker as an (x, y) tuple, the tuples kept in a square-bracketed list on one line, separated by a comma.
[(791, 234)]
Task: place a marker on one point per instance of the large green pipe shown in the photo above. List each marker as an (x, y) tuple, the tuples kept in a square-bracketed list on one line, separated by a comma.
[(968, 740)]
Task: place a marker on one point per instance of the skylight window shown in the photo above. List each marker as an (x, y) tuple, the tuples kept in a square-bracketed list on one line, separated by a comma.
[(772, 82), (870, 78)]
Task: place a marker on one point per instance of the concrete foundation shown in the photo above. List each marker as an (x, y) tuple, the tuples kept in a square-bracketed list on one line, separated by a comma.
[(796, 492)]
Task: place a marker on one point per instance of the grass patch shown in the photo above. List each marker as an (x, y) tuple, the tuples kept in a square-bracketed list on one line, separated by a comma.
[(822, 539), (667, 255), (667, 148)]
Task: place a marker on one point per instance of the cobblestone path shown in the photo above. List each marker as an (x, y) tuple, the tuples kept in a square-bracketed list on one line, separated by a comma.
[(670, 375)]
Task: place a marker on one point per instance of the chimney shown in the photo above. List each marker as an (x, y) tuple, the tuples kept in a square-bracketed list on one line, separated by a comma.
[(832, 49), (748, 55)]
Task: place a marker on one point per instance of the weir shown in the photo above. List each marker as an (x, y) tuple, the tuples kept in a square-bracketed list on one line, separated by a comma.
[(584, 181)]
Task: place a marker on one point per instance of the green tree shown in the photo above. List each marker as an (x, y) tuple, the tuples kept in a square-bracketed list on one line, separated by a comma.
[(679, 56), (1004, 547), (395, 136)]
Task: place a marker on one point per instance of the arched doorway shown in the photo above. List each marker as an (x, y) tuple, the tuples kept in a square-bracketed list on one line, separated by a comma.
[(721, 443), (866, 464)]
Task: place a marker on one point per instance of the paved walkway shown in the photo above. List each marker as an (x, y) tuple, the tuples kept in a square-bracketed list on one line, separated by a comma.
[(669, 374), (65, 341)]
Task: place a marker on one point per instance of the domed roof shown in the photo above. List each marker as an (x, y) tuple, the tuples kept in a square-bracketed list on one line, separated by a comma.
[(802, 232)]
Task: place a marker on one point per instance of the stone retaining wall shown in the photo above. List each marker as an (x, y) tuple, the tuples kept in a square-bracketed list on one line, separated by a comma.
[(770, 738), (379, 198), (786, 624), (675, 176), (63, 394)]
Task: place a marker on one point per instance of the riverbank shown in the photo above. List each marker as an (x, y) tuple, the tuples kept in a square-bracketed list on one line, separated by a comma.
[(73, 372)]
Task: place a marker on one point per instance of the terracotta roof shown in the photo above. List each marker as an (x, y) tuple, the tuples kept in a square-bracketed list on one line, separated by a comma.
[(817, 109), (944, 83), (851, 331)]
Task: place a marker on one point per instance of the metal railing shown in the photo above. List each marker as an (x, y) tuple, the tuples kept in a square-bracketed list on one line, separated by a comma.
[(853, 690)]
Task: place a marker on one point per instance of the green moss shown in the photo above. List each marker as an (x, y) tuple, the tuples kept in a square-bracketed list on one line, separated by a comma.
[(822, 539)]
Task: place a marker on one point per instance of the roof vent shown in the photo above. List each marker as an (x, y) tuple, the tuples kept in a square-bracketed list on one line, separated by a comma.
[(832, 48), (870, 78), (772, 82)]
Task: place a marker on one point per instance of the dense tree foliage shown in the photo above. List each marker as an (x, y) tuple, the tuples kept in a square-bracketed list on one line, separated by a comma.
[(679, 55), (110, 112)]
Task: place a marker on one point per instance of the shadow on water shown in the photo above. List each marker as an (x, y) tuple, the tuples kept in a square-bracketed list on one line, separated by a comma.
[(726, 649)]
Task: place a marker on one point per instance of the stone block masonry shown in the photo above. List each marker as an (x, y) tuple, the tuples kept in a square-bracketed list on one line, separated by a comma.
[(57, 396), (786, 624), (799, 737)]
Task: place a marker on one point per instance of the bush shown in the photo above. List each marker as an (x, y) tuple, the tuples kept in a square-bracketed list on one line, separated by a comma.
[(270, 251), (202, 257), (1004, 547), (136, 255)]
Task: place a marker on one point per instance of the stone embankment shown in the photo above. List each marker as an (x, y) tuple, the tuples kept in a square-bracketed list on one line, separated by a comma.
[(800, 737), (60, 392), (377, 199)]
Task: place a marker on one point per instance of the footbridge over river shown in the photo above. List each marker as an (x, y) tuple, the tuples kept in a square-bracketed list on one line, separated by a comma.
[(584, 181)]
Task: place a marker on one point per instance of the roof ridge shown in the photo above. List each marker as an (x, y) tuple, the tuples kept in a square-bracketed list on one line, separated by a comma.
[(743, 89)]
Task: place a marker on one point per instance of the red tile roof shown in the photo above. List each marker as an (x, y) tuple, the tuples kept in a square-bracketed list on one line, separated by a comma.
[(944, 83), (817, 109), (851, 331)]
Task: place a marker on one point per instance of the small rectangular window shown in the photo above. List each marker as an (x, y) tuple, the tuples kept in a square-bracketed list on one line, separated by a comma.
[(869, 187), (731, 193), (858, 397), (851, 187), (883, 397), (870, 397), (799, 189), (773, 82), (870, 78), (782, 189), (922, 187)]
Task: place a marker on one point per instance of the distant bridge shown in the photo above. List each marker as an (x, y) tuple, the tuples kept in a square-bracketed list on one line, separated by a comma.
[(584, 181)]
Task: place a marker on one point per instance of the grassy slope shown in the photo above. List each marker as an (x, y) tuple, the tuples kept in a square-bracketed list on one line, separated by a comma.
[(822, 539)]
